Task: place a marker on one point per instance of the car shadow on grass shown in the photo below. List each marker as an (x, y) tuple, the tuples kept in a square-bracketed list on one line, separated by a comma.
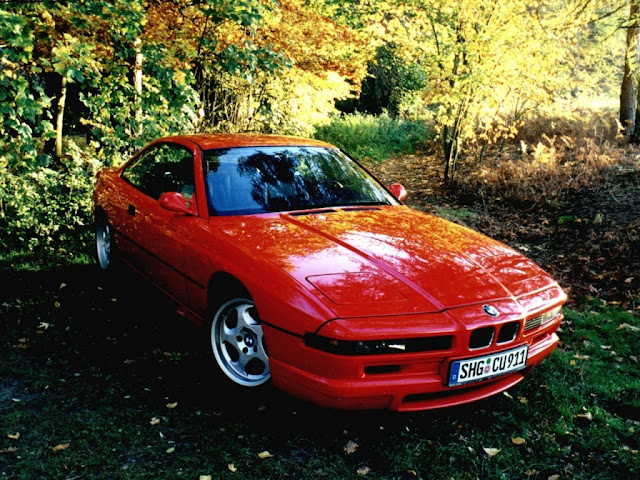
[(108, 345)]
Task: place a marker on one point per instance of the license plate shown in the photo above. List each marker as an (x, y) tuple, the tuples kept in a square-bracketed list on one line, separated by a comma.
[(487, 366)]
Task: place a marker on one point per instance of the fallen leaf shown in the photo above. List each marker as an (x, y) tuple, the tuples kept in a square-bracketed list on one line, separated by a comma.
[(554, 477), (44, 325), (586, 416), (531, 472), (15, 436), (172, 405), (628, 280), (363, 471), (205, 477), (492, 452), (350, 447), (9, 450), (518, 441), (630, 327), (265, 454), (232, 468), (154, 421), (171, 449), (523, 400), (60, 447)]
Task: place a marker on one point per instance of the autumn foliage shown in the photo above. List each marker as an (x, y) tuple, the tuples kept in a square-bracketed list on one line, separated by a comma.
[(86, 84)]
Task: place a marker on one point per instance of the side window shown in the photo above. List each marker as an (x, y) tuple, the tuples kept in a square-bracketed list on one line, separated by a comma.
[(165, 168)]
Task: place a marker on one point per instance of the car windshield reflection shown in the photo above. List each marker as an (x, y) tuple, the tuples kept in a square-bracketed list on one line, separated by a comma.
[(250, 180)]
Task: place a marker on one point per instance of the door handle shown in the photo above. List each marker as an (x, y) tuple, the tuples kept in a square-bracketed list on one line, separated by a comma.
[(131, 210)]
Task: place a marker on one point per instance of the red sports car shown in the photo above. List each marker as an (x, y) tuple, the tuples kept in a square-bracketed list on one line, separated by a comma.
[(308, 272)]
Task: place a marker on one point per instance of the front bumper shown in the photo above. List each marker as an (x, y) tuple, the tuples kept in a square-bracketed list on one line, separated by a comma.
[(402, 382)]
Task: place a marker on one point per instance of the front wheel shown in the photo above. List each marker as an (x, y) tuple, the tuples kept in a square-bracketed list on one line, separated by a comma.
[(238, 343)]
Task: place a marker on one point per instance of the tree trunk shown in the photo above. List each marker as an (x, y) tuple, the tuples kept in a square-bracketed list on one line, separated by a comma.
[(60, 117), (449, 154), (137, 83), (628, 90)]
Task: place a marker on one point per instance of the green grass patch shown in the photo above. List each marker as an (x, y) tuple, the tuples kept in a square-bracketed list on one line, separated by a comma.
[(102, 381), (454, 214), (378, 138)]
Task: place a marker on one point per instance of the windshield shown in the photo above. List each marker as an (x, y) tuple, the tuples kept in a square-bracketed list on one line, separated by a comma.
[(248, 180)]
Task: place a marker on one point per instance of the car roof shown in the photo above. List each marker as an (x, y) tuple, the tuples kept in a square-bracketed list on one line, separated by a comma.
[(209, 141)]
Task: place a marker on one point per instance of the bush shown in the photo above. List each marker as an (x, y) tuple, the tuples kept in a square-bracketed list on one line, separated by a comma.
[(375, 137), (47, 210), (552, 156)]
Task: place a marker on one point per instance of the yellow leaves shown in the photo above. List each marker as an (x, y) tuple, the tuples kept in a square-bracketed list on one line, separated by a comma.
[(491, 452), (264, 455), (585, 415), (363, 470), (14, 436), (232, 468), (518, 441), (350, 447), (172, 405), (60, 447)]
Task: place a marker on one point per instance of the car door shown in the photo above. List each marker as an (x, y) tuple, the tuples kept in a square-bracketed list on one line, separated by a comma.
[(158, 234)]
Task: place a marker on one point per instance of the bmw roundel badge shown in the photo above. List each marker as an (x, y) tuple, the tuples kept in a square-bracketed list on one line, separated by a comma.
[(491, 310)]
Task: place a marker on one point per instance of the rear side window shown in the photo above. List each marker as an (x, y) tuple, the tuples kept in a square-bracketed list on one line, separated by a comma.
[(160, 169)]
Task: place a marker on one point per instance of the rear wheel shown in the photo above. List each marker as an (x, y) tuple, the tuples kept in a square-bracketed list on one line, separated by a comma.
[(104, 247), (238, 343)]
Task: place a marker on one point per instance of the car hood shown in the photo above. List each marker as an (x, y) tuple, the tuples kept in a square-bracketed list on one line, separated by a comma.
[(388, 260)]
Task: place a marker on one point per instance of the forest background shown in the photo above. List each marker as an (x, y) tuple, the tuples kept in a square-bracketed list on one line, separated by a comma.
[(86, 83)]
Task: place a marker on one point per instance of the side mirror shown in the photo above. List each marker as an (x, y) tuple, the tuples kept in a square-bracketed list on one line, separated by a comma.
[(398, 191), (175, 202)]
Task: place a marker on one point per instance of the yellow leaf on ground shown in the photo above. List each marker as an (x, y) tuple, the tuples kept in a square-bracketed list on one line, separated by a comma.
[(232, 468), (492, 452), (363, 471), (350, 447), (14, 436), (265, 454), (586, 416), (172, 405), (60, 447), (518, 440)]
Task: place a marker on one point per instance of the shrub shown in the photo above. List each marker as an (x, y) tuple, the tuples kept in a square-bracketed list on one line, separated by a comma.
[(375, 137), (47, 210), (551, 157)]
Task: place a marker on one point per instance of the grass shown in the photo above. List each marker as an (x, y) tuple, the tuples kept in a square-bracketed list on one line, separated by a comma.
[(376, 138), (99, 382)]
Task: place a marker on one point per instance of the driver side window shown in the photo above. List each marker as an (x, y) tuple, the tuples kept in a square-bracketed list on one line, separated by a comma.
[(164, 168)]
